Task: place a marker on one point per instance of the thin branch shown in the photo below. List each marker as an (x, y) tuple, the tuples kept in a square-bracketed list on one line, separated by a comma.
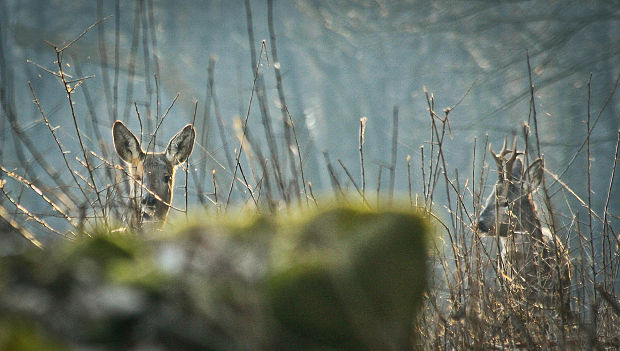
[(30, 216), (245, 126), (22, 231), (38, 191), (77, 129)]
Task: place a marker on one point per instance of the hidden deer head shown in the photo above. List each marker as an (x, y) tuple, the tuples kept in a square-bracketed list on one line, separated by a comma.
[(532, 256), (510, 207), (152, 173)]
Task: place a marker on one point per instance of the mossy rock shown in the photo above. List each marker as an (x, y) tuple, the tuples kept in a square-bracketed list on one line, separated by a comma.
[(353, 281), (341, 278)]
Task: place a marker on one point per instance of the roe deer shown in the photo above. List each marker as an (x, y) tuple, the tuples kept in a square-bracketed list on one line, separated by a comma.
[(533, 258), (152, 173)]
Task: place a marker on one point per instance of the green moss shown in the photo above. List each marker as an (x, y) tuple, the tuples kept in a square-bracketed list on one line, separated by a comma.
[(141, 272), (102, 248), (306, 302), (22, 335), (341, 278), (368, 268)]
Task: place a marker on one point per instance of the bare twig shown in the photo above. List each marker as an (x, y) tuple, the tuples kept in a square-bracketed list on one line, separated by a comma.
[(409, 180), (81, 34), (263, 106), (131, 67), (187, 161), (359, 191), (38, 191), (22, 231), (301, 165), (66, 197), (286, 120), (245, 126), (68, 91), (589, 186), (217, 205), (606, 225), (394, 153), (335, 183), (362, 133), (312, 194), (30, 216)]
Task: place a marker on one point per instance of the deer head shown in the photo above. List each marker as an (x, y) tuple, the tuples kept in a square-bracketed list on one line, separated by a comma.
[(510, 207), (152, 173)]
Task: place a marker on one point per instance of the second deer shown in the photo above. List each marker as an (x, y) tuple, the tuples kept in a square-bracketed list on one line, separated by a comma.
[(532, 256)]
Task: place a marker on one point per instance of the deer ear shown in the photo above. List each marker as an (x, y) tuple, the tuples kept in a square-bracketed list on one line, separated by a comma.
[(181, 145), (125, 142), (534, 174)]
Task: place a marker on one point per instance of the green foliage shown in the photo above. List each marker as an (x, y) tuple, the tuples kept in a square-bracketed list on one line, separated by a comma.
[(20, 335), (353, 279), (344, 278)]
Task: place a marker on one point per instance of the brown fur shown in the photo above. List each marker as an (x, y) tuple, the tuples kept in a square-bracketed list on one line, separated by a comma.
[(152, 173), (532, 257)]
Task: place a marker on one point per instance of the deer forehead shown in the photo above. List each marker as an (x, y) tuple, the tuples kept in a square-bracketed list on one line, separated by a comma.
[(499, 193), (137, 167), (157, 163), (507, 188), (152, 164)]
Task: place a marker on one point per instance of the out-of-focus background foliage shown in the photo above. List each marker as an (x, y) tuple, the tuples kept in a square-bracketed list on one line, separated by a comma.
[(339, 61)]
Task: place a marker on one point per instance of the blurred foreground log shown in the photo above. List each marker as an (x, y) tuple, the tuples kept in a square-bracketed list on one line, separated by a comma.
[(341, 279)]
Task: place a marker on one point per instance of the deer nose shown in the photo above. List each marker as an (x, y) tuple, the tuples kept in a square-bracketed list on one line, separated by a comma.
[(149, 200), (483, 227)]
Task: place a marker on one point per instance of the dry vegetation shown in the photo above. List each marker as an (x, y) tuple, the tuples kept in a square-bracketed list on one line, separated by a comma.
[(469, 305)]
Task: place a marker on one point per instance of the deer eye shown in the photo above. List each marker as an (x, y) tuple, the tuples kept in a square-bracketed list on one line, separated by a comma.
[(504, 204), (167, 179)]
